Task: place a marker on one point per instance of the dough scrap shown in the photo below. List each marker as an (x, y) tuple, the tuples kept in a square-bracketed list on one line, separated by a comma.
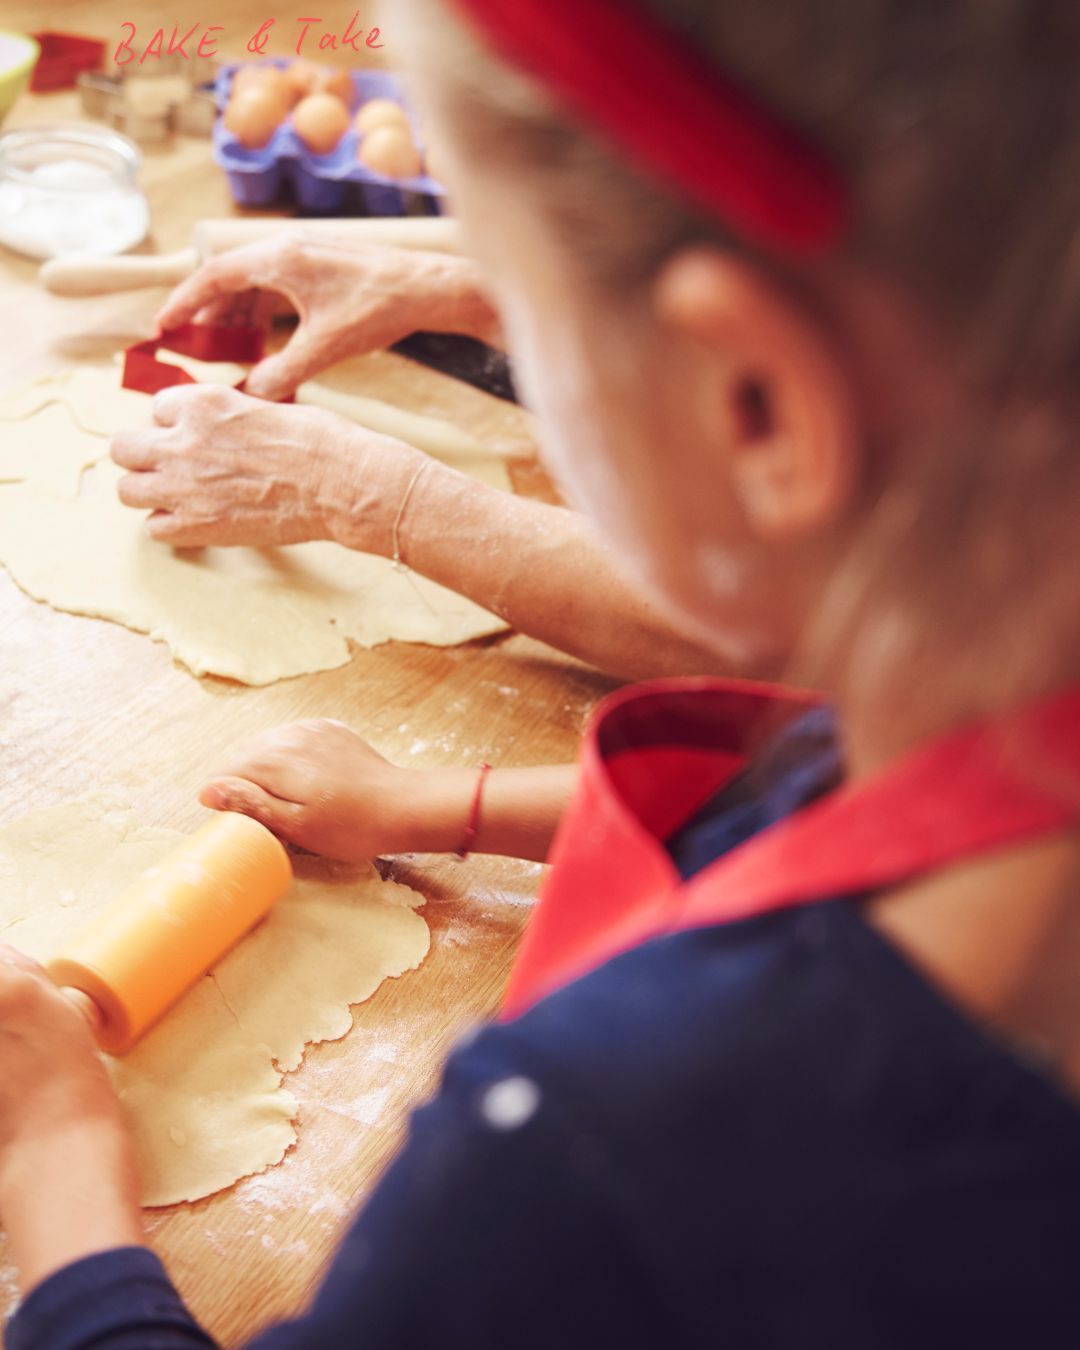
[(203, 1089), (251, 615)]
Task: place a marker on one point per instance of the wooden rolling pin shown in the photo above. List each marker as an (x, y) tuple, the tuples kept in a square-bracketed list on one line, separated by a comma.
[(151, 944), (85, 274)]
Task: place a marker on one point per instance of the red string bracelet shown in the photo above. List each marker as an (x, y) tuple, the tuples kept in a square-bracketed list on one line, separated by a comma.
[(473, 826)]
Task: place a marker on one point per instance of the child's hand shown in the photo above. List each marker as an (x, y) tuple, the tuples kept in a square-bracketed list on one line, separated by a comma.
[(318, 785), (51, 1076), (68, 1184)]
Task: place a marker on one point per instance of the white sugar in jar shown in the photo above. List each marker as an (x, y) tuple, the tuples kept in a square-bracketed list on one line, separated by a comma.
[(70, 189)]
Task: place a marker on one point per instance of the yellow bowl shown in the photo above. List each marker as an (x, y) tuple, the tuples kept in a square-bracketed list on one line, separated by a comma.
[(18, 57)]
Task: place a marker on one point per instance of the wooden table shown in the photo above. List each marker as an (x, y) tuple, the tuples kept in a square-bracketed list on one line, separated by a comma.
[(87, 705)]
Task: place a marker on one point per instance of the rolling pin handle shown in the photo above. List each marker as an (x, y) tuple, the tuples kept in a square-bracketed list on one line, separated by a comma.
[(85, 274)]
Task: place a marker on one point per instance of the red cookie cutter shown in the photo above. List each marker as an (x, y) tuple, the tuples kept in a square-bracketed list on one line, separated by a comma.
[(64, 57), (203, 341)]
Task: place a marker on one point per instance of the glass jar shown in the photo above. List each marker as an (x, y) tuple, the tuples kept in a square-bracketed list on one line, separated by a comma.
[(70, 189)]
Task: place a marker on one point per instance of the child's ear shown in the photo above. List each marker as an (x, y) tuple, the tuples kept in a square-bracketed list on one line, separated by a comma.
[(788, 414)]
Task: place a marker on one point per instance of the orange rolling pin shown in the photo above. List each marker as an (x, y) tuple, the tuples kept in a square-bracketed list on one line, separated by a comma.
[(151, 944)]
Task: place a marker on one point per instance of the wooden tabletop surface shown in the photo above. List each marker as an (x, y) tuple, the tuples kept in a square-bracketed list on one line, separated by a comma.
[(86, 705)]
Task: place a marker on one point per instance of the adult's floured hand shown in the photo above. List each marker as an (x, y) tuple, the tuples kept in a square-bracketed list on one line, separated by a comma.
[(221, 468), (349, 299)]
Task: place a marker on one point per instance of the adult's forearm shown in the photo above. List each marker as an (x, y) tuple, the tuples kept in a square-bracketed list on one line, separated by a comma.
[(543, 570)]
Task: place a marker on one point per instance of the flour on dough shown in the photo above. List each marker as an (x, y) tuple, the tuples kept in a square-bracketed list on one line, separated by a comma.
[(203, 1089), (249, 615)]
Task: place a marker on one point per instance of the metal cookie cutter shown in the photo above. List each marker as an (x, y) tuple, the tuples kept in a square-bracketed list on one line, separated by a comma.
[(151, 106)]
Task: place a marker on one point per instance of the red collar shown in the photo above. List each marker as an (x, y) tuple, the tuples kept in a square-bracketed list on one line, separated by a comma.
[(655, 753)]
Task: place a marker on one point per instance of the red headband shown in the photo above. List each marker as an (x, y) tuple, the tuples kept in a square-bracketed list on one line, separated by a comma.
[(643, 84)]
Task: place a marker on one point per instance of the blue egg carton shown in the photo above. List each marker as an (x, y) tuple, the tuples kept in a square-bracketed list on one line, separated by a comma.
[(324, 185)]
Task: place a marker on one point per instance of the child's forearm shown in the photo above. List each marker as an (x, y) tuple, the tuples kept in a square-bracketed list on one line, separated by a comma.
[(519, 810), (543, 570), (68, 1195)]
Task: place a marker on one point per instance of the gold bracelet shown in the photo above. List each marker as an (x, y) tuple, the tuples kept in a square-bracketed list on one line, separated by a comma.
[(399, 565)]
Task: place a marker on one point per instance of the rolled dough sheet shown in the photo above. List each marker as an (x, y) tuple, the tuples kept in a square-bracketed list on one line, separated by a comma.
[(203, 1090), (94, 396), (255, 616), (48, 451)]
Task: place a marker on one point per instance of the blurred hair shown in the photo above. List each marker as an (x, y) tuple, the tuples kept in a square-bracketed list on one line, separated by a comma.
[(957, 124)]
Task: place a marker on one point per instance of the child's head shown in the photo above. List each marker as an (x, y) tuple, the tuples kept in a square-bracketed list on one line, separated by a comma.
[(862, 459)]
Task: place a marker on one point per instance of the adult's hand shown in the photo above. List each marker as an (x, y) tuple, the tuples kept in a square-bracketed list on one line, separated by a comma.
[(219, 467), (350, 300)]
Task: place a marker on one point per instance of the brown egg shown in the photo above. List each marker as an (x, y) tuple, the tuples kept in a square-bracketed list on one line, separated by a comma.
[(300, 75), (336, 82), (380, 112), (391, 152), (262, 77), (254, 114), (320, 120)]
